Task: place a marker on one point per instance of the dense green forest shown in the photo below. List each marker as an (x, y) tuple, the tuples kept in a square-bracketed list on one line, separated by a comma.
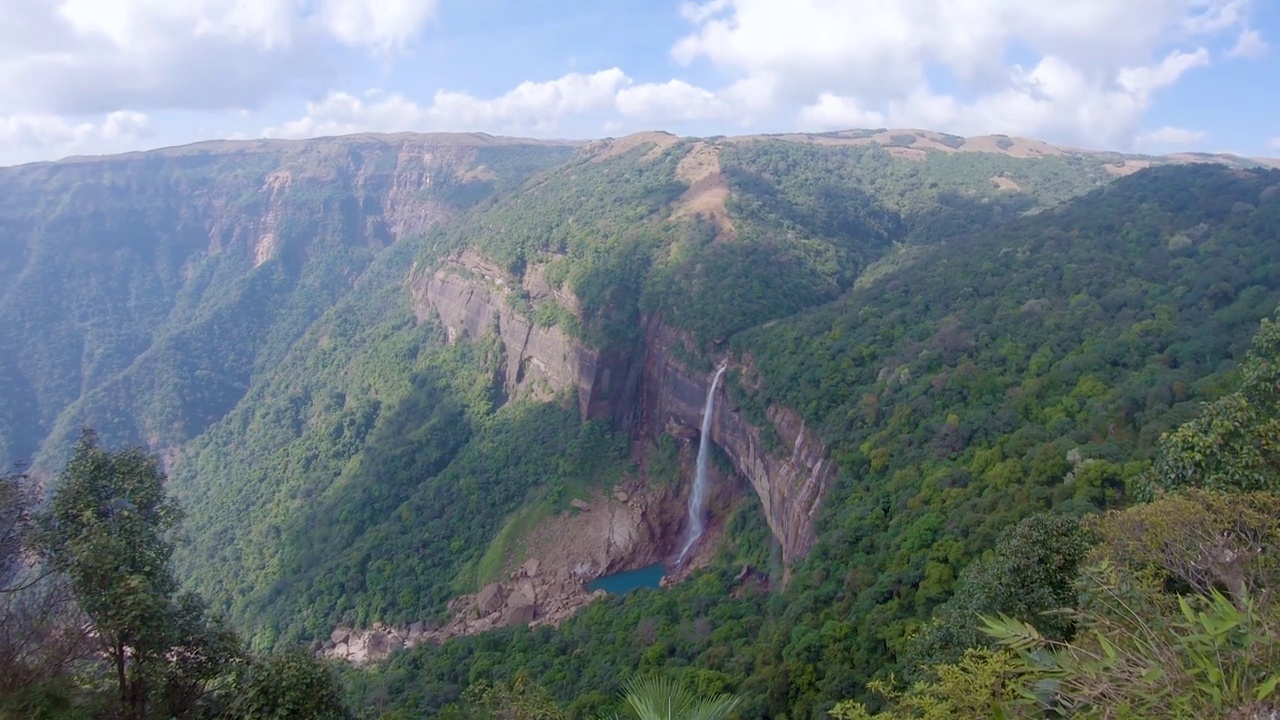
[(339, 409), (143, 295), (1005, 358), (1029, 367)]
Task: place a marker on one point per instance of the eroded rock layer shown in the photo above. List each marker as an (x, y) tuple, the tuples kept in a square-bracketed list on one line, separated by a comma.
[(649, 395)]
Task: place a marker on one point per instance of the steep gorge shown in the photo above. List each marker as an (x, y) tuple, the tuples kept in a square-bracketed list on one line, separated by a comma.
[(608, 530), (145, 293), (395, 382), (646, 393), (789, 481), (633, 522)]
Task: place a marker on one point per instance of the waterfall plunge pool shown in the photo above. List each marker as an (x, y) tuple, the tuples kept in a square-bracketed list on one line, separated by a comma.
[(651, 575), (623, 582)]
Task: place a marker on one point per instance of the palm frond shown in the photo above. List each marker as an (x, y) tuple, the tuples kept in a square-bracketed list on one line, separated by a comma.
[(716, 707), (659, 698)]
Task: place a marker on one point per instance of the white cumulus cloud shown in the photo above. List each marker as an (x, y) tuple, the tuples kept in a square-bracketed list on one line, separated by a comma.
[(94, 56), (1249, 44), (136, 24), (1053, 99), (835, 112), (534, 105), (1086, 70), (672, 101), (381, 24), (1169, 137), (1144, 80), (28, 137), (530, 107)]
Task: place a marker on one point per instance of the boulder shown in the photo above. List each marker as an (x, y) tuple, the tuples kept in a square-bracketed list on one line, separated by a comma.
[(582, 505), (339, 636), (530, 568), (379, 643), (521, 614), (522, 595), (490, 599)]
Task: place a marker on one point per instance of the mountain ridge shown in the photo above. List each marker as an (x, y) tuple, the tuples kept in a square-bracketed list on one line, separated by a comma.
[(1017, 146)]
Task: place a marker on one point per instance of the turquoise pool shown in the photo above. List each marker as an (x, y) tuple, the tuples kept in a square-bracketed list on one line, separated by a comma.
[(624, 582)]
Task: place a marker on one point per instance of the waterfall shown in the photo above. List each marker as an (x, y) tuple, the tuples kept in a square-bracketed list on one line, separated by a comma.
[(698, 497)]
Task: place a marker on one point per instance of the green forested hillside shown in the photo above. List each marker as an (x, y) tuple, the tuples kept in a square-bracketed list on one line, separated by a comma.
[(318, 493), (142, 295), (1029, 366), (977, 338), (811, 218), (377, 461)]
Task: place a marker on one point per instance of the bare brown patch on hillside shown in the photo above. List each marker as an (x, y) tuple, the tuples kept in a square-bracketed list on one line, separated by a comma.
[(921, 140), (708, 190), (828, 140), (268, 244), (1126, 167), (479, 173), (832, 139), (909, 153), (605, 149), (1005, 183), (1193, 158), (1011, 146), (924, 140)]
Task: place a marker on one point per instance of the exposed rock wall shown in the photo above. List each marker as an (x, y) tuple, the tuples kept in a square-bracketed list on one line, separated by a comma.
[(790, 484), (635, 524), (471, 296), (648, 395), (376, 190)]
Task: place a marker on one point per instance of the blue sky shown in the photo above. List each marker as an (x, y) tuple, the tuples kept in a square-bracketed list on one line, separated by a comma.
[(1157, 76)]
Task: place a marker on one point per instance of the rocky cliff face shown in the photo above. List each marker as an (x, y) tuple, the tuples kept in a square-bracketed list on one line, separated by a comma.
[(378, 189), (790, 484), (472, 297), (648, 395)]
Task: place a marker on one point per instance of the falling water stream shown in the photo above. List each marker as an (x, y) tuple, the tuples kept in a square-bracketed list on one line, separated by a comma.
[(698, 497)]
